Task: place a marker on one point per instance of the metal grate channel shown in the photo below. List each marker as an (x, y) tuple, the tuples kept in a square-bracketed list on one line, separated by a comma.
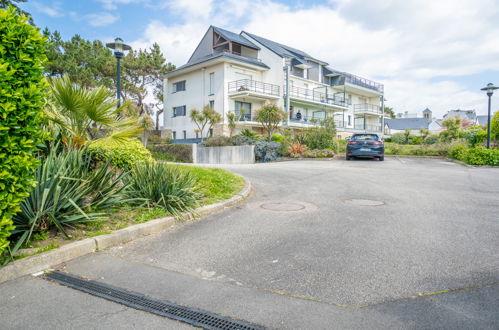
[(192, 316)]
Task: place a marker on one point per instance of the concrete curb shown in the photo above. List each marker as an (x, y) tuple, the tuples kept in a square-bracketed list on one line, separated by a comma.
[(76, 249)]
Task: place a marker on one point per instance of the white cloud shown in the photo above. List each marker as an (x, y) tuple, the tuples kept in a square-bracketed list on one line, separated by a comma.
[(113, 4), (101, 19), (420, 50), (54, 10)]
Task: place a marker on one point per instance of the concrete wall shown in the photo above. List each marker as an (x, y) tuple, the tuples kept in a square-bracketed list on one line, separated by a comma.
[(223, 155)]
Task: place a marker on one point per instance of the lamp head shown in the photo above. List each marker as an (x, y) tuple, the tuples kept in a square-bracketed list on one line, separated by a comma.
[(489, 89)]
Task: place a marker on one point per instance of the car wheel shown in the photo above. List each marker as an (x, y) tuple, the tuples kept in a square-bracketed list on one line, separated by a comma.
[(382, 158)]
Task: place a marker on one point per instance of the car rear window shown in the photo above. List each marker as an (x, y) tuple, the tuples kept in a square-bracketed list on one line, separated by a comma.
[(364, 137)]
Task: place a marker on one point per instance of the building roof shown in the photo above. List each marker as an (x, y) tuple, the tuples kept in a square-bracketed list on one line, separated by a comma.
[(482, 120), (283, 50), (231, 36), (464, 114), (426, 110), (226, 55), (407, 123)]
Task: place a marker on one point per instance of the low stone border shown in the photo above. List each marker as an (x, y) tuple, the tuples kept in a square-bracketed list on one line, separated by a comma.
[(45, 260)]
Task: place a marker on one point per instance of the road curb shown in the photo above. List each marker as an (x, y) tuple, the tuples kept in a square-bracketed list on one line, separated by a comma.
[(45, 260)]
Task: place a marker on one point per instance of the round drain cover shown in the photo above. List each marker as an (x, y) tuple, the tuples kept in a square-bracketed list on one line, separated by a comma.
[(282, 206), (364, 202)]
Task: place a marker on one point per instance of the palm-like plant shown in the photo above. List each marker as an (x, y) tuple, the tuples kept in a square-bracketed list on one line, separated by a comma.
[(79, 114), (232, 122)]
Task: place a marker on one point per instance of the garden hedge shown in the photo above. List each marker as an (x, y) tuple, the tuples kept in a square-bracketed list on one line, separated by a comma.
[(122, 154), (22, 94)]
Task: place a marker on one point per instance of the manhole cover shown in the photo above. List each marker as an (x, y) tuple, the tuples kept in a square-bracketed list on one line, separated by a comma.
[(283, 206), (363, 202)]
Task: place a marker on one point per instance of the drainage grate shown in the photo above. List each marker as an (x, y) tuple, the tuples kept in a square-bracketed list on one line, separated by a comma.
[(192, 316)]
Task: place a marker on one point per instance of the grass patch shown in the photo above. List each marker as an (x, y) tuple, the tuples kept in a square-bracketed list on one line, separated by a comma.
[(215, 184)]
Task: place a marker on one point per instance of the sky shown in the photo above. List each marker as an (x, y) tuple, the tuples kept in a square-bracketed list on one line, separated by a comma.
[(435, 54)]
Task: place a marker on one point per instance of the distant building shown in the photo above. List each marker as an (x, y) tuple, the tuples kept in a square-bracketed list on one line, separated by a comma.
[(406, 114), (469, 115), (427, 115), (399, 125)]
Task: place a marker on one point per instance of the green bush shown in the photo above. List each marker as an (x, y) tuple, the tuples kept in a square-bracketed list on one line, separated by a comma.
[(399, 138), (320, 137), (476, 156), (122, 153), (437, 149), (22, 93), (474, 135), (69, 191), (219, 141), (431, 139), (160, 185), (417, 140), (179, 152), (494, 127)]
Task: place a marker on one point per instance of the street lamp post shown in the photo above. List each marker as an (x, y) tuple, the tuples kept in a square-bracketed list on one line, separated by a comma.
[(490, 90), (119, 50)]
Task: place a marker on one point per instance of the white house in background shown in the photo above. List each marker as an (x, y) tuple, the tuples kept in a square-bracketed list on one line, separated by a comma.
[(240, 72), (469, 115)]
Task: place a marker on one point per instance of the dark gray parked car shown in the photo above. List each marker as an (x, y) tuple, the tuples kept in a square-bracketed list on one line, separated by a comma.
[(365, 145)]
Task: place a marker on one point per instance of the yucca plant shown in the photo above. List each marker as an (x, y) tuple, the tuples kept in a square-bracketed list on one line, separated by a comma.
[(160, 185), (69, 191)]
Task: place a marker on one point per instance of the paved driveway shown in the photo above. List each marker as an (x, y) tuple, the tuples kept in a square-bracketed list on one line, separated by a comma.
[(405, 243)]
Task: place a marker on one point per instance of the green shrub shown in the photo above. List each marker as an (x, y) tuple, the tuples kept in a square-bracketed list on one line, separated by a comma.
[(160, 185), (340, 146), (399, 138), (494, 127), (431, 139), (22, 93), (179, 152), (417, 140), (319, 137), (476, 156), (219, 141), (473, 135), (122, 153), (437, 149), (69, 191), (459, 153)]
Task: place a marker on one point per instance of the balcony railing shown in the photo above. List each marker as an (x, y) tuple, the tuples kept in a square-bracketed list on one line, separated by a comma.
[(356, 80), (249, 85), (219, 51), (314, 95), (366, 108), (368, 128)]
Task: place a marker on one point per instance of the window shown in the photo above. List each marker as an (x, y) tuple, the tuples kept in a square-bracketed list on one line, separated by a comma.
[(174, 135), (212, 83), (243, 110), (212, 104), (349, 120), (178, 86), (179, 111), (185, 135), (211, 132), (197, 134)]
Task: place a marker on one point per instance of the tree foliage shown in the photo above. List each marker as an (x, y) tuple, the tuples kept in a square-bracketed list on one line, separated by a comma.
[(389, 111), (91, 64), (4, 4), (270, 116), (494, 127), (205, 118), (80, 114), (22, 91), (452, 126)]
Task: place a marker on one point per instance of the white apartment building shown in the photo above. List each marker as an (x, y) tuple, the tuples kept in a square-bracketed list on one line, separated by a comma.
[(240, 72)]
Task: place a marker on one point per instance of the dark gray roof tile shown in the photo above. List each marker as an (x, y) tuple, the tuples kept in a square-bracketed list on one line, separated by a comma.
[(407, 123)]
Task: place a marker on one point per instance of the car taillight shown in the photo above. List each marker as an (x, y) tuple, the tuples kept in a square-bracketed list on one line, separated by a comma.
[(352, 142), (378, 142)]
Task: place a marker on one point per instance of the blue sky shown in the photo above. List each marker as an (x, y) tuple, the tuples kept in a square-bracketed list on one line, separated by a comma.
[(427, 53)]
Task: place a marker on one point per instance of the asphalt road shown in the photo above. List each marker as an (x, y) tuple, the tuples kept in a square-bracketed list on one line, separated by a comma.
[(406, 243)]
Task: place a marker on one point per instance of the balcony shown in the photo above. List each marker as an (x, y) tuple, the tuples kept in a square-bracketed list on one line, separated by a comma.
[(342, 78), (367, 109), (233, 52), (368, 128), (314, 96), (257, 89)]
